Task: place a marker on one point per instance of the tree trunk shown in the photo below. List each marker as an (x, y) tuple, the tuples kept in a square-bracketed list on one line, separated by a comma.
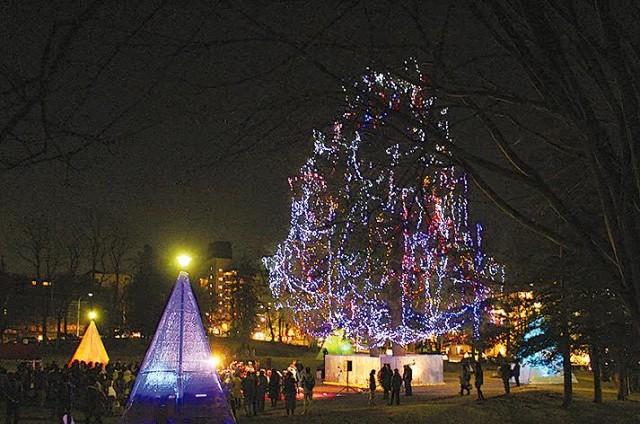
[(44, 324), (565, 347), (270, 324), (398, 349), (594, 355), (58, 327), (566, 369), (623, 382), (373, 349)]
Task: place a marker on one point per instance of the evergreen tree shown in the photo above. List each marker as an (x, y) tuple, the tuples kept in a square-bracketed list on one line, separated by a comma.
[(147, 293), (380, 242)]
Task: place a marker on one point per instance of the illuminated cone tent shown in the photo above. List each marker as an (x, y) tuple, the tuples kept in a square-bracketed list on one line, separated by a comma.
[(91, 348), (177, 381)]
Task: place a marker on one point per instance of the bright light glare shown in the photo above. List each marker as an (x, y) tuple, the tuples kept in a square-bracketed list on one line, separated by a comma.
[(92, 315), (184, 260), (215, 361)]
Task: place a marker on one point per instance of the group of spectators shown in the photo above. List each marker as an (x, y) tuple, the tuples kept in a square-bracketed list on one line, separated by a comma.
[(93, 389), (472, 367), (247, 386), (391, 383)]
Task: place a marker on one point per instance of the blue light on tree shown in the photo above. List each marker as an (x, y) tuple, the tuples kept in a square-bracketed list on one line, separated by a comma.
[(380, 242), (544, 361)]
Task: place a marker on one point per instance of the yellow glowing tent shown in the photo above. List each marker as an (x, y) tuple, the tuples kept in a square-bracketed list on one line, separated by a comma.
[(91, 348)]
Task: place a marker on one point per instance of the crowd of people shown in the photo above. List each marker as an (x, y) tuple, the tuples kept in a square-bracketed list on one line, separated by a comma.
[(472, 367), (94, 389), (98, 390), (391, 383), (247, 386)]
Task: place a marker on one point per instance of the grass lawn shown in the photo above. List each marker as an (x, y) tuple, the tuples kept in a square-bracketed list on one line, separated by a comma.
[(442, 404)]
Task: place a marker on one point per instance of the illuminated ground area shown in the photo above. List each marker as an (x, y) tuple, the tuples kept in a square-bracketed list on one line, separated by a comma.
[(442, 404)]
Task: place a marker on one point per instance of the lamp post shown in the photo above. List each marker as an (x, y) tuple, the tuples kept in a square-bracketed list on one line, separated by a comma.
[(78, 316)]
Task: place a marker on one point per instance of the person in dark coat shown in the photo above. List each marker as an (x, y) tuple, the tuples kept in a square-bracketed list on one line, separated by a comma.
[(465, 376), (274, 387), (249, 386), (290, 390), (261, 390), (372, 386), (94, 403), (504, 371), (407, 376), (62, 393), (13, 396), (308, 382), (396, 384), (385, 376), (516, 372), (479, 373)]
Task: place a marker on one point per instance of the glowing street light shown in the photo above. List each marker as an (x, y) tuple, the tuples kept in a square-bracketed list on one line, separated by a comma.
[(92, 315), (215, 361), (184, 260)]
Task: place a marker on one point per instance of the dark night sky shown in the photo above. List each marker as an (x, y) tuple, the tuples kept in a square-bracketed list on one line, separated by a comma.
[(178, 181)]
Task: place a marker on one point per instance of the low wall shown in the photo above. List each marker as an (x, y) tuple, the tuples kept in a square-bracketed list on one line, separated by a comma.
[(427, 369)]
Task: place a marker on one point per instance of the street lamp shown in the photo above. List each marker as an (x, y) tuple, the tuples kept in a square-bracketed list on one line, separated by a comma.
[(92, 315), (184, 261), (78, 316)]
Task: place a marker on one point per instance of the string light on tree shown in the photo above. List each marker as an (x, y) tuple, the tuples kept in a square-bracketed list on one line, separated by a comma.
[(380, 243)]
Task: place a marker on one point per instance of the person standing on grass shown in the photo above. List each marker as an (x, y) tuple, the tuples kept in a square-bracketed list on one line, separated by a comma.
[(290, 390), (308, 382), (249, 385), (227, 388), (261, 390), (465, 376), (13, 396), (407, 376), (516, 372), (385, 375), (372, 386), (236, 390), (396, 384), (94, 403), (479, 378), (504, 371), (274, 387)]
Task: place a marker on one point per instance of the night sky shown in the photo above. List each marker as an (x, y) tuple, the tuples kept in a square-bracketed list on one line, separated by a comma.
[(209, 109)]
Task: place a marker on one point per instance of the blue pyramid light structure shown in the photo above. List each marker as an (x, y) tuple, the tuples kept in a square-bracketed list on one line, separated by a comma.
[(177, 381)]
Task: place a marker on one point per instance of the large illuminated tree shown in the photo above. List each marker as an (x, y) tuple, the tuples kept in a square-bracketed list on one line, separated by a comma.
[(380, 242)]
